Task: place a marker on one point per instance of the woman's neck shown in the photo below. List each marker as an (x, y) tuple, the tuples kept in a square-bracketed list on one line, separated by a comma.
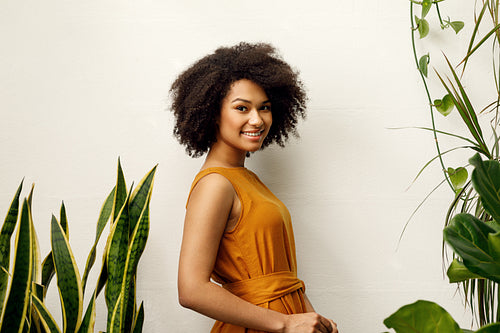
[(217, 157)]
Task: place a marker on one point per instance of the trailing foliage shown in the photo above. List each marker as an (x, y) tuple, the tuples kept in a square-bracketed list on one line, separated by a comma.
[(478, 247), (22, 308), (482, 295)]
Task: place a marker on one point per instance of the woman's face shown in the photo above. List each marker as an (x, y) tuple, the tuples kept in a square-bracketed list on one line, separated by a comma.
[(245, 117)]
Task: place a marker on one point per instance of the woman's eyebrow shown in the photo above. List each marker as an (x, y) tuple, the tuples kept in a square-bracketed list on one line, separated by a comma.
[(247, 101)]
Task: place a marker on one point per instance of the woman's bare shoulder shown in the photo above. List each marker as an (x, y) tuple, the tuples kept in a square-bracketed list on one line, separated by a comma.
[(212, 187)]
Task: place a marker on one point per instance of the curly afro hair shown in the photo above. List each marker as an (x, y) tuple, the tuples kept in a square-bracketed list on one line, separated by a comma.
[(197, 93)]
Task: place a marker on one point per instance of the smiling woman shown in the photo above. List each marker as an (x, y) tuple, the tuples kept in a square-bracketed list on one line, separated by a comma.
[(237, 262)]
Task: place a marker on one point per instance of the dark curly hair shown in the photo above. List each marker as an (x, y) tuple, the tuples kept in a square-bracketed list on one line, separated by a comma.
[(197, 93)]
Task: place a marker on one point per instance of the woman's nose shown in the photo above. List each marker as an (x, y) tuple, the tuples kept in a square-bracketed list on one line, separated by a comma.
[(255, 119)]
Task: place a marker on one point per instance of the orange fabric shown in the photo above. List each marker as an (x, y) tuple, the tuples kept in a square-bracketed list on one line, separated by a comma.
[(256, 260)]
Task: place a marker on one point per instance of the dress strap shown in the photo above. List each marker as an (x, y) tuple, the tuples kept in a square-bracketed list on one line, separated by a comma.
[(265, 288)]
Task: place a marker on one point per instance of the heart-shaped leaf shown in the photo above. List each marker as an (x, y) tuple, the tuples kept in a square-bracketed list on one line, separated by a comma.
[(423, 64), (426, 6), (458, 177), (457, 25), (422, 26), (445, 105)]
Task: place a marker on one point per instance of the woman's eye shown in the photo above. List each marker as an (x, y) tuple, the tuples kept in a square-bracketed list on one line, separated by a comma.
[(241, 108), (266, 107)]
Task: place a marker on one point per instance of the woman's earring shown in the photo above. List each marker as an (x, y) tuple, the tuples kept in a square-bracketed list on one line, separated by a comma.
[(248, 154)]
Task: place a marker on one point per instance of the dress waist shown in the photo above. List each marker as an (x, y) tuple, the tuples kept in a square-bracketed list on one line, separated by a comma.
[(265, 288)]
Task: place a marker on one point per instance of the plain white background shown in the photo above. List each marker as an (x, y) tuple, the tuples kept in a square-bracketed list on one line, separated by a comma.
[(84, 82)]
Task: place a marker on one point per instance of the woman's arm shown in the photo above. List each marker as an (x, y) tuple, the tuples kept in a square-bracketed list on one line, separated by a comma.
[(207, 212)]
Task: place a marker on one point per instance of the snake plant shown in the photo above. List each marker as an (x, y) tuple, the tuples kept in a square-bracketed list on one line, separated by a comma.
[(23, 285)]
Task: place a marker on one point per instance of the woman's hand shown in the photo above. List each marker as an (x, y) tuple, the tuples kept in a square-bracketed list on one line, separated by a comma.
[(310, 322)]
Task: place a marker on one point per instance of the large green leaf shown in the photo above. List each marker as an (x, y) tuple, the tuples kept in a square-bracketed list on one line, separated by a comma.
[(104, 215), (492, 328), (68, 278), (476, 243), (17, 302), (486, 181), (47, 320), (457, 272), (5, 239), (422, 317), (116, 252)]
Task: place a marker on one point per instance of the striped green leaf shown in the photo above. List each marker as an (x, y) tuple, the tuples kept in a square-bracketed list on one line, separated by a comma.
[(139, 319), (46, 318), (135, 250), (48, 271), (114, 319), (120, 193), (15, 309), (68, 278), (63, 220), (139, 197), (5, 239), (88, 322), (116, 251), (101, 223)]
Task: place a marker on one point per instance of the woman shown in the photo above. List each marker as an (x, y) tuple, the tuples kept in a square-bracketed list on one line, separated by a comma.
[(236, 232)]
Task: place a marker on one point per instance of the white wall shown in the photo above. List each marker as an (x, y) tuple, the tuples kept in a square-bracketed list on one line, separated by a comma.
[(83, 82)]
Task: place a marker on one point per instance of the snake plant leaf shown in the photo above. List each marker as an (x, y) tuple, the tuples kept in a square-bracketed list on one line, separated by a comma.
[(476, 243), (486, 181), (46, 318), (139, 320), (88, 322), (457, 272), (457, 26), (458, 177), (422, 26), (422, 317), (444, 105), (104, 215), (113, 319), (63, 219), (48, 271), (426, 6), (5, 239), (120, 193), (13, 319), (423, 63), (116, 252), (135, 250), (139, 197), (68, 278)]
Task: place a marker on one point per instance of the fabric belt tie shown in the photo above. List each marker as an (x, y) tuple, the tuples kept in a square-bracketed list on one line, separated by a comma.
[(265, 288)]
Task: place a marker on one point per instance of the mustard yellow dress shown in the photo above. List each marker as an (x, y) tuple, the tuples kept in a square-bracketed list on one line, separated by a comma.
[(256, 259)]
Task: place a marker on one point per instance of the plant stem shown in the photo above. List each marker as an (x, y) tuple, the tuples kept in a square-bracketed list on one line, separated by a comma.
[(439, 14), (428, 97)]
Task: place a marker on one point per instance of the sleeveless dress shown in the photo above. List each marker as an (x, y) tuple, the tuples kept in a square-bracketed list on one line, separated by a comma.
[(256, 259)]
